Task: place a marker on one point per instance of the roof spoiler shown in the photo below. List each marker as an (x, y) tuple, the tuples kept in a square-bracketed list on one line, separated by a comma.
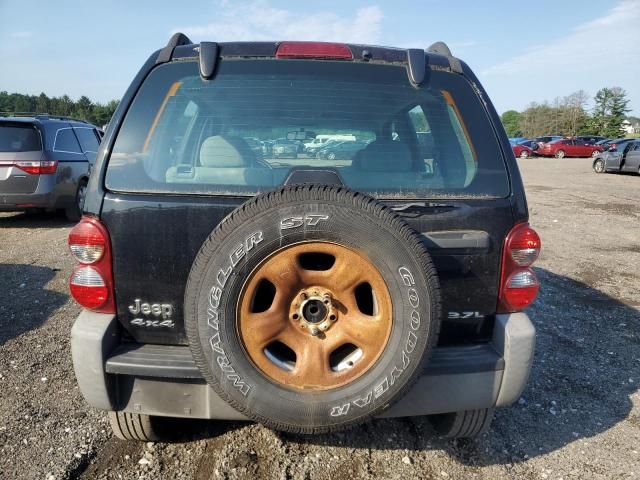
[(441, 48), (176, 40), (208, 52)]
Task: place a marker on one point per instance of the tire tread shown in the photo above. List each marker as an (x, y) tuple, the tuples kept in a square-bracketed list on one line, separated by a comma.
[(133, 426), (463, 424)]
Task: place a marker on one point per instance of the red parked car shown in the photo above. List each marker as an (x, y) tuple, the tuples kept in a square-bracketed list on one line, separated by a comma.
[(565, 147), (522, 151)]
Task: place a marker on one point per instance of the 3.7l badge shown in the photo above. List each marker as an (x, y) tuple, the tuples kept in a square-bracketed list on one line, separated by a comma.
[(160, 314)]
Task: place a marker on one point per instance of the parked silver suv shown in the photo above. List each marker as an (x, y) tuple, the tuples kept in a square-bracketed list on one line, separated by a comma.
[(45, 163)]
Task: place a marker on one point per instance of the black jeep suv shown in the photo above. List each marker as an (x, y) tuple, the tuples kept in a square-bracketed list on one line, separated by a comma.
[(220, 281)]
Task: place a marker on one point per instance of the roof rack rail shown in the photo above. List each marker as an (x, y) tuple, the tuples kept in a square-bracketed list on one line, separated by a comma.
[(441, 48), (60, 117), (176, 40), (41, 115)]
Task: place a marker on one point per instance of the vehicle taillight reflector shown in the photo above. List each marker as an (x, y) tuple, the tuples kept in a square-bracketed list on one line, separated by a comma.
[(314, 50), (43, 167), (521, 289), (91, 283), (519, 285), (88, 287)]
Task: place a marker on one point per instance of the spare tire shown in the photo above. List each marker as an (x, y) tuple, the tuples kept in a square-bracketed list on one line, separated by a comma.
[(311, 308)]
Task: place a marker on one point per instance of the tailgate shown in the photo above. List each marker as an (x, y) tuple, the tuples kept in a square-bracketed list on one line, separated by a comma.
[(19, 142), (12, 178), (465, 241), (156, 248)]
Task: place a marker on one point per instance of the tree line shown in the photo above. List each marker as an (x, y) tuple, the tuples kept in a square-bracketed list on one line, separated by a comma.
[(569, 116), (84, 109)]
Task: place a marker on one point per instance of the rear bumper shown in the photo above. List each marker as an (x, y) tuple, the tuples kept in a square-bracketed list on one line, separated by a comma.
[(53, 191), (163, 380), (42, 197)]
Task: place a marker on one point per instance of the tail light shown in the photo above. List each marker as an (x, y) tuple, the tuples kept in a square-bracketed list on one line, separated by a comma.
[(322, 50), (37, 167), (91, 282), (518, 283)]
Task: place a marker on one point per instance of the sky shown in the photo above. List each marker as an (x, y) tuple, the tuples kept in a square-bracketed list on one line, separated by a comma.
[(521, 51)]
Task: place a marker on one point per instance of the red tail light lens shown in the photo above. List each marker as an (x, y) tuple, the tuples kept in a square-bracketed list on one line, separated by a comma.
[(524, 245), (519, 285), (44, 167), (87, 241), (314, 50), (91, 283)]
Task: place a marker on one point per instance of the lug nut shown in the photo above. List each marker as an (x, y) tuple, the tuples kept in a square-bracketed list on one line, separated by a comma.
[(314, 331)]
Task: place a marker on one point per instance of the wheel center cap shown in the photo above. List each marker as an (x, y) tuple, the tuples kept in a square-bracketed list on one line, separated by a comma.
[(314, 311)]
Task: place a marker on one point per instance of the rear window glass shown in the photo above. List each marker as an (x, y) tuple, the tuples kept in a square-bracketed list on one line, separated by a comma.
[(88, 139), (16, 137), (246, 130), (66, 141)]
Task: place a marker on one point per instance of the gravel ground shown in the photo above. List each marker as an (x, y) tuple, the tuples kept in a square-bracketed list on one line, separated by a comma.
[(578, 418)]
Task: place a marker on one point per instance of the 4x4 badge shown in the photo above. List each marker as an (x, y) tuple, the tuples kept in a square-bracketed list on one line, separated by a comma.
[(161, 311)]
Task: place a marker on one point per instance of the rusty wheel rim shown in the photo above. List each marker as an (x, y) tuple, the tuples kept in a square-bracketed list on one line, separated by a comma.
[(314, 316)]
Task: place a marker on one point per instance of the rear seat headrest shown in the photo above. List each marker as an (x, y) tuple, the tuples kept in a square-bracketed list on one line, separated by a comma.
[(225, 152), (384, 156)]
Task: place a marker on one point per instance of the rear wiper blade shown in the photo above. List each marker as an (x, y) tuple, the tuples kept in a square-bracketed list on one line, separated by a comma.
[(419, 205)]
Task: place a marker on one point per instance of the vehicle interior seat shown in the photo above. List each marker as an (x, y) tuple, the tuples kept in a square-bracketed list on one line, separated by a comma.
[(384, 163), (223, 160)]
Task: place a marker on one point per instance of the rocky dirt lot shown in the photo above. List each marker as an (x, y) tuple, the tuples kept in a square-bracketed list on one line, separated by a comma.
[(578, 418)]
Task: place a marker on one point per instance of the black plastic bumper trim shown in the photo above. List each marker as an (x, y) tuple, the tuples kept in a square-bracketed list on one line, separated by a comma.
[(147, 360), (169, 361)]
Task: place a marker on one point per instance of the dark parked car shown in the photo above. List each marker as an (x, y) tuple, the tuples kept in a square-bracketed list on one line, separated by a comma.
[(45, 162), (590, 139), (568, 148), (614, 143), (625, 157), (305, 295), (255, 145), (285, 148), (546, 139)]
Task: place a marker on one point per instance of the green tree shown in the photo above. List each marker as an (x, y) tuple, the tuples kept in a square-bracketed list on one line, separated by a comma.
[(65, 106), (619, 109), (511, 122), (84, 108), (609, 112), (42, 104)]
